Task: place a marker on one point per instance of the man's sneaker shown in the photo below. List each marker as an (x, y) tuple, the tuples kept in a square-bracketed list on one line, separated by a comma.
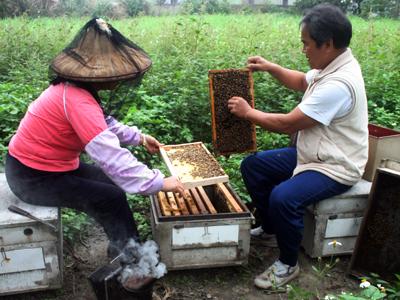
[(265, 239), (276, 275)]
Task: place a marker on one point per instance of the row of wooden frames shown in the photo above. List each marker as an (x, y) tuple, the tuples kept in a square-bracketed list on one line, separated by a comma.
[(195, 202)]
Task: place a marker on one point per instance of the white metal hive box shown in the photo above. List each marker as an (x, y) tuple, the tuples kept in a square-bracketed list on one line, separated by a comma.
[(7, 198), (31, 252), (336, 218)]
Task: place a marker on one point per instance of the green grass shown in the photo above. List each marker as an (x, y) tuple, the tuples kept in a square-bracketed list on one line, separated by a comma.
[(172, 103)]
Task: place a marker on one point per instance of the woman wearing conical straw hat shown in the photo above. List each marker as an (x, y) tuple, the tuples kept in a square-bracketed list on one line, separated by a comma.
[(43, 166)]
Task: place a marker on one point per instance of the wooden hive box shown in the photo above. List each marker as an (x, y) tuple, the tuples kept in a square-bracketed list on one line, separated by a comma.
[(231, 134), (210, 227), (197, 202)]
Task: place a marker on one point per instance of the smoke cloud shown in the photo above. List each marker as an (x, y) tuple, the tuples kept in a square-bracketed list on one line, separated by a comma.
[(141, 260)]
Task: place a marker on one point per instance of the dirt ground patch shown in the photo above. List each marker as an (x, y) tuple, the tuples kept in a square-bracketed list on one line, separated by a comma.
[(233, 283)]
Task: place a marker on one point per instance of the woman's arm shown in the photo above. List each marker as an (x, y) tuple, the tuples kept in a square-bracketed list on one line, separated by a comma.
[(128, 135)]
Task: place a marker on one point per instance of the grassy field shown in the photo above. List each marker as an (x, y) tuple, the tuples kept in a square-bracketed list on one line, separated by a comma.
[(173, 102), (183, 49)]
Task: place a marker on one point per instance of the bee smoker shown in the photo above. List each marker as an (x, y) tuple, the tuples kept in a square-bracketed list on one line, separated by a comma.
[(106, 285)]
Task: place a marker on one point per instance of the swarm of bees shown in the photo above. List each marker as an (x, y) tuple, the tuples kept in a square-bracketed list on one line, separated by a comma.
[(230, 133)]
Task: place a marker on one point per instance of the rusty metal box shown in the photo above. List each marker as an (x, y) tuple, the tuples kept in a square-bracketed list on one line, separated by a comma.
[(31, 252), (336, 218), (378, 244), (384, 143), (204, 239)]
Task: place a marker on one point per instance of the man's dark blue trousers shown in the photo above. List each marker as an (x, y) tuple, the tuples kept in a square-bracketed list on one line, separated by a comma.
[(282, 198)]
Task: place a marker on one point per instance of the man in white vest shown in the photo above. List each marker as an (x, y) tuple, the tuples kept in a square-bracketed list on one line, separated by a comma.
[(331, 150)]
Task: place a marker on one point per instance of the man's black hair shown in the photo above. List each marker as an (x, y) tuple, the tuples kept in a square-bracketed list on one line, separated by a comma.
[(325, 22)]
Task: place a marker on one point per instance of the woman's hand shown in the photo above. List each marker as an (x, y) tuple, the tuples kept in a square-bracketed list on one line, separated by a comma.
[(239, 107), (151, 144), (172, 184), (258, 63)]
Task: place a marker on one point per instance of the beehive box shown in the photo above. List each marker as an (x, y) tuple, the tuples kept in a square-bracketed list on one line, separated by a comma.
[(31, 252), (193, 164), (208, 228), (378, 244), (384, 143), (231, 134), (336, 218)]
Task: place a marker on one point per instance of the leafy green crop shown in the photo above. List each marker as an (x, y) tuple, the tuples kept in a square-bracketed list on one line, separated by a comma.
[(172, 104)]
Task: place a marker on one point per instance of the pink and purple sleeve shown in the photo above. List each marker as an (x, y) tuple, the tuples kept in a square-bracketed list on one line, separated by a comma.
[(128, 135), (121, 166)]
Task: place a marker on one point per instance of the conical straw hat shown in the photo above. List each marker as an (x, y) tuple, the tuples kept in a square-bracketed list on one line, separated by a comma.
[(99, 53)]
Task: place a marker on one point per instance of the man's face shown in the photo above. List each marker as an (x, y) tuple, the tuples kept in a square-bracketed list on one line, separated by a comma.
[(318, 58)]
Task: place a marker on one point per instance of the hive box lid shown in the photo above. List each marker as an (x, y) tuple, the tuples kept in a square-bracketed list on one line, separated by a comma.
[(9, 218), (354, 199)]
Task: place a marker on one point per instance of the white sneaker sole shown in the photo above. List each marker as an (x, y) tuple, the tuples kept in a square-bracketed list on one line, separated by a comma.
[(267, 284)]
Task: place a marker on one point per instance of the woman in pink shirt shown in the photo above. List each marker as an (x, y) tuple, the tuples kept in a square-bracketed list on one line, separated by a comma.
[(43, 166)]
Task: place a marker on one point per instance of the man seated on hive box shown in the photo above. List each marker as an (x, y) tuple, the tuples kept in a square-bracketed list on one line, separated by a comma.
[(332, 137)]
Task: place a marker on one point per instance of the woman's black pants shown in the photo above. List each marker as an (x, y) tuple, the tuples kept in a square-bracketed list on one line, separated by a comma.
[(85, 189)]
